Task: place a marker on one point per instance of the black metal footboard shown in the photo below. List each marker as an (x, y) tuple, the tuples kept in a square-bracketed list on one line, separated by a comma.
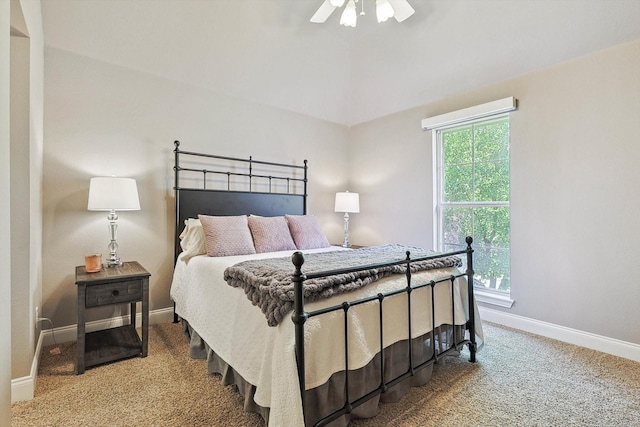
[(300, 316)]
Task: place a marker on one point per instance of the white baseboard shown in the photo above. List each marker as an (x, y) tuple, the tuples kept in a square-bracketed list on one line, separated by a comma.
[(70, 333), (23, 388), (572, 336)]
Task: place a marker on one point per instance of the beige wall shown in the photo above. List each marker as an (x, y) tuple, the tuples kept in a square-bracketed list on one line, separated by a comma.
[(575, 150), (103, 119), (22, 329)]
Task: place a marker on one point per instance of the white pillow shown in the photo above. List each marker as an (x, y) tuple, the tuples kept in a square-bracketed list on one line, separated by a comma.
[(192, 239)]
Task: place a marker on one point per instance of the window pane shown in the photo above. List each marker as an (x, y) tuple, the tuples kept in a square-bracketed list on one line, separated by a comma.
[(491, 227), (491, 267), (490, 230), (458, 224), (491, 160), (457, 146), (458, 183), (491, 183), (491, 140)]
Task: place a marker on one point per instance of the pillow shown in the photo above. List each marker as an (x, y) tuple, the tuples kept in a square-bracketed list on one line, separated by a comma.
[(227, 235), (306, 232), (270, 234), (192, 239)]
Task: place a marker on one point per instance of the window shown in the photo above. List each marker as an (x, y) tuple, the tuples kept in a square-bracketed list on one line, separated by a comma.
[(472, 196)]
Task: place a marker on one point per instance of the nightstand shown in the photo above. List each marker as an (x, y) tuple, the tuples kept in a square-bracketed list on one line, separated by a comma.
[(128, 283)]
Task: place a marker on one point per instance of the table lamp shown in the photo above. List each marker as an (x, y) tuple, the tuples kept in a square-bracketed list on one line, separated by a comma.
[(113, 194), (348, 203)]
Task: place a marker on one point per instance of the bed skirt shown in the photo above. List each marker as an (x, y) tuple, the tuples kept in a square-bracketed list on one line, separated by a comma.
[(329, 397)]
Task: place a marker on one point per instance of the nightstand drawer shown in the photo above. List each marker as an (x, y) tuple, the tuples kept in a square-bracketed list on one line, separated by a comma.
[(113, 293)]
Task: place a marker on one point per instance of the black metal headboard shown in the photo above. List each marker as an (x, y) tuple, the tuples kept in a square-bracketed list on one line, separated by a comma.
[(217, 185)]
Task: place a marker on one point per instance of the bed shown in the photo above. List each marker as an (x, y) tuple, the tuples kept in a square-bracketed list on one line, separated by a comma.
[(365, 331)]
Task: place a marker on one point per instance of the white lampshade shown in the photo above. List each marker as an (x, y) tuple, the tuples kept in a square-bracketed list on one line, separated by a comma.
[(347, 202), (349, 16), (112, 193), (384, 10)]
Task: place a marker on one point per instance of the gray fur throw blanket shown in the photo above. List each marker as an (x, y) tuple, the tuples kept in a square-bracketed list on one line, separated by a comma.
[(268, 282)]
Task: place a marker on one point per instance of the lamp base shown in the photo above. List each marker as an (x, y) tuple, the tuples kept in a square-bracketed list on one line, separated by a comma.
[(113, 261), (346, 243)]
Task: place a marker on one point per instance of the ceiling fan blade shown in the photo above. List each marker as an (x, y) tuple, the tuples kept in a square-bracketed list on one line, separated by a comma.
[(324, 11), (402, 9)]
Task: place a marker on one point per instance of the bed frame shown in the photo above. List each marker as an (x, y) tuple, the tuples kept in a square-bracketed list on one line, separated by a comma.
[(197, 198), (234, 198)]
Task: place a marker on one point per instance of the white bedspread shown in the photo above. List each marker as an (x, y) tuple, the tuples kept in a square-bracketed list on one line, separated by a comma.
[(265, 356)]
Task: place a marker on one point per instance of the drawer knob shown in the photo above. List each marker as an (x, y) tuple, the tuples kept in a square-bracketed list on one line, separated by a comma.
[(115, 293)]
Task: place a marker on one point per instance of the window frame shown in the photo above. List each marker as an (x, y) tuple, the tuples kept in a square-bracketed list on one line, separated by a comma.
[(483, 294)]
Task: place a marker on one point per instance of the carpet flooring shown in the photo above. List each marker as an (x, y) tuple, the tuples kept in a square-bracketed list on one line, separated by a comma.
[(520, 380)]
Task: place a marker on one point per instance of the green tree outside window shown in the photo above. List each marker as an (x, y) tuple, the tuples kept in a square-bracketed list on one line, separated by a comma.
[(474, 196)]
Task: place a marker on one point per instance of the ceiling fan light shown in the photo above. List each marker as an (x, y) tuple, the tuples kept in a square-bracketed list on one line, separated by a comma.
[(349, 16), (336, 3), (384, 10)]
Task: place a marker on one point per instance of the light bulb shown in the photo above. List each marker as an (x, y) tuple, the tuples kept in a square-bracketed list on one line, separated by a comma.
[(336, 3), (349, 16), (384, 10)]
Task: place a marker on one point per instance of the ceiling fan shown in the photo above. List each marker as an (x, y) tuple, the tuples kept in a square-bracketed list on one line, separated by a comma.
[(385, 9)]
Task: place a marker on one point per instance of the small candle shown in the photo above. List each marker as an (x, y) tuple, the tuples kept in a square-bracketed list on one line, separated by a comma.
[(93, 263)]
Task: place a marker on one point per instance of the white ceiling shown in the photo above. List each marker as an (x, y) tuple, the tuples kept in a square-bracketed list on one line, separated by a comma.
[(268, 52)]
